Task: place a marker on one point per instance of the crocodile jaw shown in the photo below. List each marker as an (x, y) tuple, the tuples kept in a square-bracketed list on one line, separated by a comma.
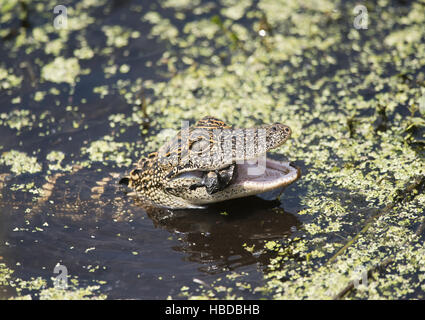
[(277, 174)]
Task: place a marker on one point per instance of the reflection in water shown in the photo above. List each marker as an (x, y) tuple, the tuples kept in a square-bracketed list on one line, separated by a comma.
[(137, 252), (217, 236)]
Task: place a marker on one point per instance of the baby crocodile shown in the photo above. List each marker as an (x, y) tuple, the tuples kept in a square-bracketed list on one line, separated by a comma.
[(211, 162)]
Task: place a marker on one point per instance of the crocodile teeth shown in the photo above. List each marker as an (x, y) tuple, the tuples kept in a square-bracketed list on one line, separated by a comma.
[(276, 174)]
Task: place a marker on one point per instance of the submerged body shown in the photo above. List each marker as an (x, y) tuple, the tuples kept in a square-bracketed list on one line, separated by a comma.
[(212, 162)]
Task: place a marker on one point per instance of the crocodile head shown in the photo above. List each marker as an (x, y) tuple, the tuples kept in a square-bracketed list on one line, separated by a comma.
[(240, 153)]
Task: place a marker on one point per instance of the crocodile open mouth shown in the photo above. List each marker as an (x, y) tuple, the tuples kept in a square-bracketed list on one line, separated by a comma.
[(276, 174), (249, 179)]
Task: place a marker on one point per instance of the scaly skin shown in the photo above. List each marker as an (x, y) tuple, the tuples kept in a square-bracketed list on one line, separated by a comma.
[(175, 176)]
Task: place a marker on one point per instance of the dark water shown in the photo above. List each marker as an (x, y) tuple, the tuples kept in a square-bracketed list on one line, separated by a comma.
[(173, 248), (110, 238), (90, 225)]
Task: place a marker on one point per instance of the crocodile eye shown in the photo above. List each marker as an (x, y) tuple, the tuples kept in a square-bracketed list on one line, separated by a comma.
[(287, 130)]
